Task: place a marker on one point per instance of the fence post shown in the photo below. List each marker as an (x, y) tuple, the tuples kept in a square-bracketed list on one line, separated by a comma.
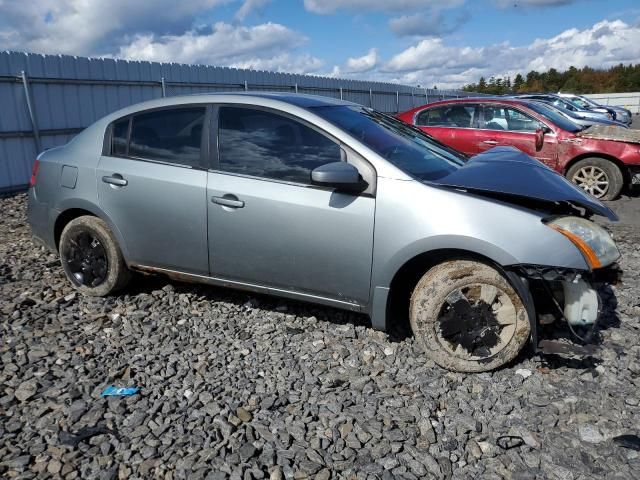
[(370, 98), (341, 94), (32, 112), (246, 86), (164, 87), (397, 101), (413, 99), (296, 87), (426, 96)]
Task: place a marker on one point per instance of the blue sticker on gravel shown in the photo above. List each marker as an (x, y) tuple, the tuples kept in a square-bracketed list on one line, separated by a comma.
[(112, 391)]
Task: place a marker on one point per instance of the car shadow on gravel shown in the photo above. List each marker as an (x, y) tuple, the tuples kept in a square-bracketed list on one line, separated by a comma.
[(146, 284)]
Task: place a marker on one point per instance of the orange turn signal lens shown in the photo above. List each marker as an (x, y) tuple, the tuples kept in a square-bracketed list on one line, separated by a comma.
[(588, 253)]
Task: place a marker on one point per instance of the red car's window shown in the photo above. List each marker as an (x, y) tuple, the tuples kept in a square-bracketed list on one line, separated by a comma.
[(452, 116)]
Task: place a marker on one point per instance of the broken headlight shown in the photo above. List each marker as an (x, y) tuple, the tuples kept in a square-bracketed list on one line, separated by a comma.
[(593, 241)]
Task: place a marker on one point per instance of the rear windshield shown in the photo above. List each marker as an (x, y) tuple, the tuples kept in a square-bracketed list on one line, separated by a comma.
[(406, 147), (557, 118)]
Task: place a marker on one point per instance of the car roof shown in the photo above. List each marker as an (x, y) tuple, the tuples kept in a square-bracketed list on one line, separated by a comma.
[(297, 99), (496, 99)]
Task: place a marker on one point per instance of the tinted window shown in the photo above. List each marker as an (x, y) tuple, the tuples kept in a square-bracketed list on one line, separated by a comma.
[(404, 146), (458, 115), (557, 118), (168, 135), (119, 137), (264, 144), (505, 118)]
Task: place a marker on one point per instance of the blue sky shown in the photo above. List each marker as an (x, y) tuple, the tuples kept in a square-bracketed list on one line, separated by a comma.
[(428, 42)]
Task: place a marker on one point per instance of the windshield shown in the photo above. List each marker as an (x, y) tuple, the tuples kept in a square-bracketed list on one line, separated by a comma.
[(406, 147), (590, 102), (580, 102), (557, 118)]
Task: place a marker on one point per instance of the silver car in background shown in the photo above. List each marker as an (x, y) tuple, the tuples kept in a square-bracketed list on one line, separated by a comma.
[(583, 122), (623, 115), (568, 105), (329, 202)]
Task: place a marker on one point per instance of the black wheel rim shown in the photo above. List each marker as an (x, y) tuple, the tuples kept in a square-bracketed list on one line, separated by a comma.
[(476, 321), (86, 260)]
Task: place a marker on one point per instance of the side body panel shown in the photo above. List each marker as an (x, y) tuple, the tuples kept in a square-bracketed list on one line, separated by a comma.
[(292, 237), (161, 212)]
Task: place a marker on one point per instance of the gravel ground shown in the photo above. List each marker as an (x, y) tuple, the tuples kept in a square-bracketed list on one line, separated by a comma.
[(242, 386)]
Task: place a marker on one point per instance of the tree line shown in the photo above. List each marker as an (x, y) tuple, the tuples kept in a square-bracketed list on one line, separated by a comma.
[(618, 79)]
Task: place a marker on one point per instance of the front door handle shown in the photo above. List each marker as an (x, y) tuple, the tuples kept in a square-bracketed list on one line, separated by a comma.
[(116, 179), (490, 142), (228, 201)]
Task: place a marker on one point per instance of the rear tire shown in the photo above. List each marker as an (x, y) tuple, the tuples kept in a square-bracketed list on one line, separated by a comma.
[(91, 258), (468, 317), (597, 176)]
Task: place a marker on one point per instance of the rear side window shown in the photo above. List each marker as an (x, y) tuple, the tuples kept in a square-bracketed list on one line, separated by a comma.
[(453, 116), (120, 137), (264, 144), (168, 135)]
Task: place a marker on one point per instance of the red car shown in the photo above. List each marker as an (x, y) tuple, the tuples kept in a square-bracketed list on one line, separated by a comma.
[(588, 157)]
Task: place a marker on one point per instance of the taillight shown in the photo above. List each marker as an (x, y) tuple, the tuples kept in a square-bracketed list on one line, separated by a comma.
[(34, 173)]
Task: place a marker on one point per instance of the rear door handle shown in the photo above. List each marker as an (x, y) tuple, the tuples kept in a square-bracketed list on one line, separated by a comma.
[(490, 142), (228, 201), (116, 179)]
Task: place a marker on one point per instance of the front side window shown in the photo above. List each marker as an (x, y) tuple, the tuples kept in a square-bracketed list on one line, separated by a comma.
[(168, 135), (497, 117), (453, 116), (402, 145), (260, 143)]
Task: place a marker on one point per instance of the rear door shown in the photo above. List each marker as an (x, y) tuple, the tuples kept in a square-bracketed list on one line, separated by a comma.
[(269, 226), (455, 125), (152, 184), (507, 126)]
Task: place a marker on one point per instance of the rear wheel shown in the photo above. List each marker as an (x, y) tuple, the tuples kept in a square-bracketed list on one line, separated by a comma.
[(597, 176), (468, 317), (91, 258)]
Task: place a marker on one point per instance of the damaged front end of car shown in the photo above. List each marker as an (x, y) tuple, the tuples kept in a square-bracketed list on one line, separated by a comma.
[(551, 293), (566, 295)]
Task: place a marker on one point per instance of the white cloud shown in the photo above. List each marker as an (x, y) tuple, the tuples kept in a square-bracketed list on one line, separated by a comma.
[(431, 61), (222, 44), (430, 24), (329, 6), (282, 63), (82, 27), (354, 67), (249, 6), (362, 64)]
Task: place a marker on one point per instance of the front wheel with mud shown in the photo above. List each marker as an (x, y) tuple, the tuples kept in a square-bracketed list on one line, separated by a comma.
[(468, 317)]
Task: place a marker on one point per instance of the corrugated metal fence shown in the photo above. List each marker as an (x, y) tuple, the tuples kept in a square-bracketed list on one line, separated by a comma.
[(46, 99)]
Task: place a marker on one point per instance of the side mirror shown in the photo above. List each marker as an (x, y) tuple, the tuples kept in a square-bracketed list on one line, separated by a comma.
[(540, 133), (340, 175)]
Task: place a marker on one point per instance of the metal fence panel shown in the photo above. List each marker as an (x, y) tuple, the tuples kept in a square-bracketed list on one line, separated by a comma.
[(69, 93)]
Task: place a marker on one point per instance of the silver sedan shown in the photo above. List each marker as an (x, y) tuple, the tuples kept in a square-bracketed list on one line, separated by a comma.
[(330, 202)]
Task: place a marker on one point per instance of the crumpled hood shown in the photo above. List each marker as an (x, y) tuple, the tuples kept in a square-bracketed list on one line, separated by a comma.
[(603, 132), (509, 171)]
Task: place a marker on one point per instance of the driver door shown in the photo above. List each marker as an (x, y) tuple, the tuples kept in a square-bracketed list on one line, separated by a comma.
[(269, 226)]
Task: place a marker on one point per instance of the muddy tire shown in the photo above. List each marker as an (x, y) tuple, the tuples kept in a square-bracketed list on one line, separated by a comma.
[(468, 317), (597, 176), (91, 258)]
